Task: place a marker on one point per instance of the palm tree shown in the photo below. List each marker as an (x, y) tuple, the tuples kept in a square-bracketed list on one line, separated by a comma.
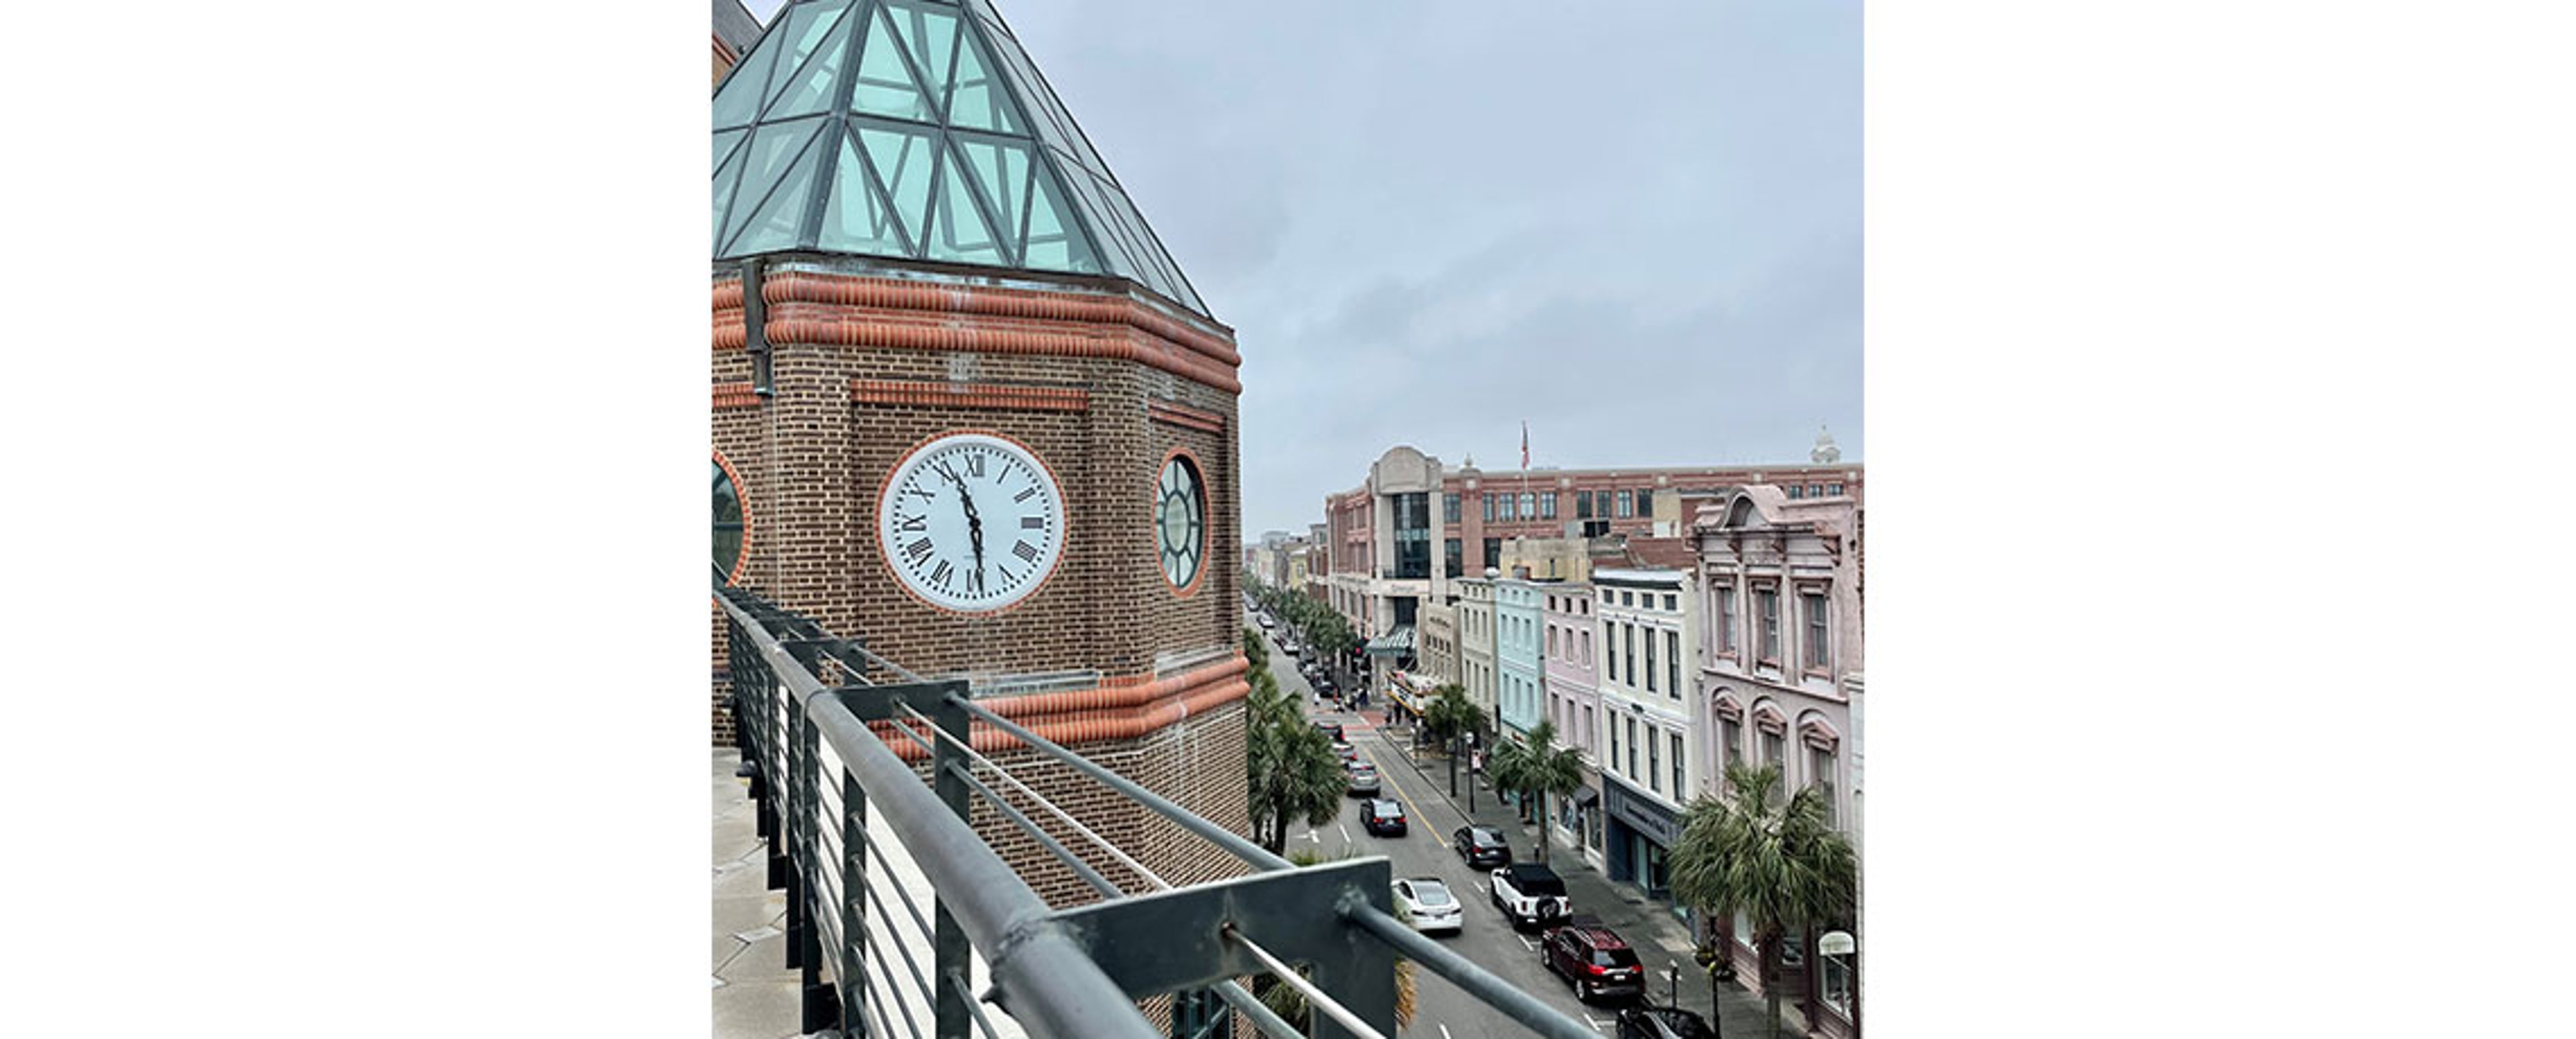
[(1451, 716), (1778, 862), (1546, 770), (1290, 766)]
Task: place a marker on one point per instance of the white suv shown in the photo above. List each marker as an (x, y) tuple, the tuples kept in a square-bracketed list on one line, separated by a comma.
[(1530, 894)]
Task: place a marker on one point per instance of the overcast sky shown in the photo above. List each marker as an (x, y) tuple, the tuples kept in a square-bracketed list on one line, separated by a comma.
[(1636, 226)]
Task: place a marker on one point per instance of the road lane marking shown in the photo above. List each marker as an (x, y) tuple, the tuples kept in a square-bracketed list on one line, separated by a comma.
[(1444, 1032), (1418, 813), (1346, 832), (1526, 943)]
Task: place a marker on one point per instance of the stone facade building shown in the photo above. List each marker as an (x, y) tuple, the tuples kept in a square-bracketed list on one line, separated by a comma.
[(1780, 678), (1649, 718), (1476, 668)]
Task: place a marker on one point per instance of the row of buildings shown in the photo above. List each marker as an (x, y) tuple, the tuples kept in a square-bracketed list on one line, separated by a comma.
[(1669, 622)]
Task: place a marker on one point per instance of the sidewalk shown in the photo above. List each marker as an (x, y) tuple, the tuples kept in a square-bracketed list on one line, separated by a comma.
[(1649, 925), (755, 997)]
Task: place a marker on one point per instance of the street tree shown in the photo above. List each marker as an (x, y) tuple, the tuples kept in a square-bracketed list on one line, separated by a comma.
[(1291, 770), (1775, 860), (1450, 716), (1544, 770)]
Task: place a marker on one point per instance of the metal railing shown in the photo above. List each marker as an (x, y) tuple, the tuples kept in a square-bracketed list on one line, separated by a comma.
[(847, 821)]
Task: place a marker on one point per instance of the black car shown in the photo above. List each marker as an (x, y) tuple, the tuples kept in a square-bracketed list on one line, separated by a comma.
[(1383, 818), (1653, 1022), (1482, 846), (1594, 958)]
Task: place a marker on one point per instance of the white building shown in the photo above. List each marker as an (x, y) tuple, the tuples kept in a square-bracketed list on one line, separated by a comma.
[(1650, 737)]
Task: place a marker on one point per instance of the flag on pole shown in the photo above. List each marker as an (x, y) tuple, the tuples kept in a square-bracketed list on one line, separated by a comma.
[(1524, 443)]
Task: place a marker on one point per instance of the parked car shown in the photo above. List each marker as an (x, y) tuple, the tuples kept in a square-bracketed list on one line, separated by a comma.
[(1332, 729), (1267, 623), (1482, 846), (1324, 686), (1594, 958), (1383, 818), (1429, 905), (1653, 1022), (1364, 781), (1530, 894), (1345, 751)]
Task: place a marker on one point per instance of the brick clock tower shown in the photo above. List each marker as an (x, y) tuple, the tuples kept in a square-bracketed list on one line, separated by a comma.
[(968, 409)]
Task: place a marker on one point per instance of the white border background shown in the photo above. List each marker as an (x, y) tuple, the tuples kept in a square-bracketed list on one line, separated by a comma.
[(2216, 374)]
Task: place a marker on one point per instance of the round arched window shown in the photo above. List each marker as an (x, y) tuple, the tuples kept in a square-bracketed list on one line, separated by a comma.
[(728, 523)]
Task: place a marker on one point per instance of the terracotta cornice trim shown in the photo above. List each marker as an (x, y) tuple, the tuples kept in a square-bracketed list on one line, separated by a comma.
[(879, 332), (1120, 708), (1185, 416), (968, 395), (850, 290), (735, 395)]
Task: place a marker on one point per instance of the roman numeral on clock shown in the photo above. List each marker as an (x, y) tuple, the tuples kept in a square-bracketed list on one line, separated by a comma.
[(939, 574), (912, 524), (1024, 494), (975, 465), (1032, 523), (918, 550), (1028, 553)]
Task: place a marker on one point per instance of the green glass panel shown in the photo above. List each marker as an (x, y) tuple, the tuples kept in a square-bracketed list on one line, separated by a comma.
[(1045, 113), (774, 225), (810, 90), (977, 100), (957, 229), (901, 159), (885, 85), (1001, 168), (931, 37), (1053, 242), (773, 146), (726, 140), (806, 26), (854, 220), (738, 100), (728, 176), (1116, 256)]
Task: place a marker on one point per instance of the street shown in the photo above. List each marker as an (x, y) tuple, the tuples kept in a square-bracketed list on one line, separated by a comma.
[(1488, 939)]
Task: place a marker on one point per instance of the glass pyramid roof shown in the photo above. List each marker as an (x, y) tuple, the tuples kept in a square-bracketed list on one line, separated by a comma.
[(917, 129)]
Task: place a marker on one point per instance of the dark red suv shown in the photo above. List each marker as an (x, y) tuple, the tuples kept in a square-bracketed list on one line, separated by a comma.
[(1595, 959)]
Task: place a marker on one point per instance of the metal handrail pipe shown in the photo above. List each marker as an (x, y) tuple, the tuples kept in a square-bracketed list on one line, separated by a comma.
[(1045, 978), (1229, 840), (974, 1007), (1477, 981), (1264, 1020)]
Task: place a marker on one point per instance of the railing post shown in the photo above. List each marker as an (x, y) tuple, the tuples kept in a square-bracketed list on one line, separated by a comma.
[(852, 969), (952, 953), (799, 928)]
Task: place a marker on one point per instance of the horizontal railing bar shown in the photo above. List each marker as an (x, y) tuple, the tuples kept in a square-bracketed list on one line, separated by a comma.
[(1045, 840), (1105, 844), (877, 956), (868, 894), (974, 1007), (1045, 979), (1316, 997), (1220, 836), (1264, 1020), (1477, 981)]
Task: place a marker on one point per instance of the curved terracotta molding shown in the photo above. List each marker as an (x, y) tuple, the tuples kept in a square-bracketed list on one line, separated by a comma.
[(728, 332), (735, 395), (856, 291), (728, 294), (1092, 727)]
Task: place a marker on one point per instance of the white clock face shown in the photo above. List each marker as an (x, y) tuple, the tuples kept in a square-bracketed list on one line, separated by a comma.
[(971, 522), (1181, 522)]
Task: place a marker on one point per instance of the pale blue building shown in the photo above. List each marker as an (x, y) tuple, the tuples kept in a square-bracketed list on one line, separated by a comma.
[(1520, 688)]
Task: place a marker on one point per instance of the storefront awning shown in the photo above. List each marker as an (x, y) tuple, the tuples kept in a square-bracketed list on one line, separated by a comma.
[(1397, 643), (1587, 796)]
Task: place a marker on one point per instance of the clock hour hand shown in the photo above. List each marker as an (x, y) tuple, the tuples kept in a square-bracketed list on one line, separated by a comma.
[(974, 525)]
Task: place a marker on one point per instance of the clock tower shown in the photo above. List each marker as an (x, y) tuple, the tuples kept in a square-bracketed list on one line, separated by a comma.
[(967, 408)]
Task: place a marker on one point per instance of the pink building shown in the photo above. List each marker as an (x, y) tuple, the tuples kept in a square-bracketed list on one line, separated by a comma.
[(1780, 674), (1574, 701)]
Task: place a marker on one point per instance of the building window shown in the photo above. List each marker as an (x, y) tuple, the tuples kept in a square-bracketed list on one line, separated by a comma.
[(1551, 641), (1632, 747), (1834, 490), (1505, 513), (1627, 504), (1796, 491), (1612, 762), (1730, 736), (1815, 491), (1837, 983), (1529, 505), (1628, 649), (1547, 505), (1767, 610), (1489, 508), (1813, 605), (728, 523), (1449, 508), (1673, 663), (1654, 762), (1587, 648), (1627, 598), (1583, 504), (1725, 619), (1672, 603), (1650, 661), (1678, 786), (1820, 775), (1457, 563), (1493, 551)]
